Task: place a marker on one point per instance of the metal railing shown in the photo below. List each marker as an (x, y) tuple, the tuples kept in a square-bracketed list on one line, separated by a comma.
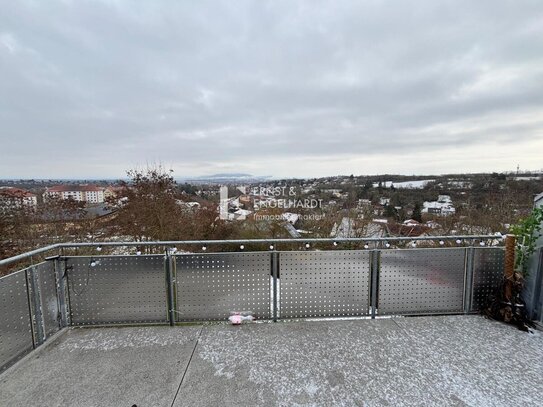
[(463, 239), (175, 287)]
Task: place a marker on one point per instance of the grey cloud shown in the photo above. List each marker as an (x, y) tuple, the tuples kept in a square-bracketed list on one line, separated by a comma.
[(107, 85)]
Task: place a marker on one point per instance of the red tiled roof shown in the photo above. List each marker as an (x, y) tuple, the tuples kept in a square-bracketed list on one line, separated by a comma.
[(16, 193), (397, 229), (74, 188)]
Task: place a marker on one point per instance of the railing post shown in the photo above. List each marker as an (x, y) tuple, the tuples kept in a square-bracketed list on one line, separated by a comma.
[(275, 284), (35, 304), (375, 257), (509, 266), (60, 278), (170, 284), (537, 305), (468, 286)]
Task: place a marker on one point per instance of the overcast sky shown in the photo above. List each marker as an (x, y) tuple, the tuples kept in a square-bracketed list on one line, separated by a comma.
[(281, 88)]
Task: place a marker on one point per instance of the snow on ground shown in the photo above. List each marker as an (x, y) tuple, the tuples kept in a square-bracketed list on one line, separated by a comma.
[(417, 184), (458, 360)]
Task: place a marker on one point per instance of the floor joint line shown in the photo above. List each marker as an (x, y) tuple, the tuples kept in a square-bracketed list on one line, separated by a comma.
[(187, 367)]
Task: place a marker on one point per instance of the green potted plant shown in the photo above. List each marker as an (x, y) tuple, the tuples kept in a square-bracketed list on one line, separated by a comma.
[(507, 305), (526, 232)]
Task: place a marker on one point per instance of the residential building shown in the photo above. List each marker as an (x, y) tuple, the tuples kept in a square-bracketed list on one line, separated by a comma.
[(411, 222), (188, 205), (410, 228), (290, 217), (113, 192), (245, 200), (443, 206), (82, 193), (16, 198), (444, 199)]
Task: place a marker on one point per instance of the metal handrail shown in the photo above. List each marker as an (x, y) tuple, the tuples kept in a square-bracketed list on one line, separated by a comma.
[(26, 255)]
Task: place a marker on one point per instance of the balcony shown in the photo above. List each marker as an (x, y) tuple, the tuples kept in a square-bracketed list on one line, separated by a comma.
[(380, 326)]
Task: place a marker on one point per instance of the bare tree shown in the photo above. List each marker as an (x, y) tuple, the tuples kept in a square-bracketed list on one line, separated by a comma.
[(147, 208), (151, 207)]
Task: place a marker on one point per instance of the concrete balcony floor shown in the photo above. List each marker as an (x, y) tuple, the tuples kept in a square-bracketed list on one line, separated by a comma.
[(448, 361)]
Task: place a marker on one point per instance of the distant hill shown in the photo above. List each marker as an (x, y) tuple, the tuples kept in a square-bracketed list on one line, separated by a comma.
[(227, 178)]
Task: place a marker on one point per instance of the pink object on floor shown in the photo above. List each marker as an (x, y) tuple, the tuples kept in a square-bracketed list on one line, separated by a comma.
[(237, 318)]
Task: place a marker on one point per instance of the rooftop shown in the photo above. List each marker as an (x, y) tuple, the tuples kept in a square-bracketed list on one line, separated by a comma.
[(74, 188), (16, 192), (447, 360)]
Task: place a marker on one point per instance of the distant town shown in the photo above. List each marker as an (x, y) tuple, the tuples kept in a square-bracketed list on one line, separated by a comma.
[(339, 206)]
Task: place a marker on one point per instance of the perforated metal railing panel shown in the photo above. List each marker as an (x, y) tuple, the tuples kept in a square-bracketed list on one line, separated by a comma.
[(15, 329), (48, 295), (324, 284), (118, 289), (488, 269), (210, 286), (419, 281)]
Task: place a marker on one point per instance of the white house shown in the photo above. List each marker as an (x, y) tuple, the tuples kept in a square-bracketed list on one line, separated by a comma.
[(443, 206), (82, 193), (384, 201)]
